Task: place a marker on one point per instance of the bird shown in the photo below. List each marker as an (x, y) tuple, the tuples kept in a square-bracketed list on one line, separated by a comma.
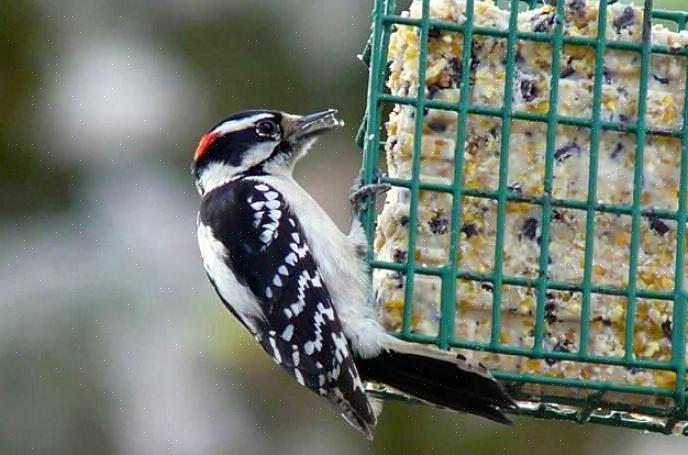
[(301, 286)]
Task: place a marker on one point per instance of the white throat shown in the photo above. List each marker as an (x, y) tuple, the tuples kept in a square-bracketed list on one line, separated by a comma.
[(284, 165), (215, 175)]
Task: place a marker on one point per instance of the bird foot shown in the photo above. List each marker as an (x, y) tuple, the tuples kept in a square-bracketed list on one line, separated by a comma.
[(359, 195)]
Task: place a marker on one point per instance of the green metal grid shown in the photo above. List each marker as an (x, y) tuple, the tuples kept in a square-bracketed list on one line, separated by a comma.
[(599, 402)]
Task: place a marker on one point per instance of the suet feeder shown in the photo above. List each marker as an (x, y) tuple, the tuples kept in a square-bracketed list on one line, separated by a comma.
[(538, 158)]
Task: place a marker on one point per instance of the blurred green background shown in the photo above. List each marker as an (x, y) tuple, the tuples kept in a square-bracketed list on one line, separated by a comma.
[(111, 340)]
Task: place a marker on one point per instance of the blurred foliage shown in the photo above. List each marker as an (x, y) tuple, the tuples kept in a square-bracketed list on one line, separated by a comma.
[(28, 181), (244, 65), (54, 401), (677, 5)]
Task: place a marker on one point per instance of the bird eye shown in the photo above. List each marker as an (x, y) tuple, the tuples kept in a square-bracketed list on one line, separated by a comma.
[(267, 128)]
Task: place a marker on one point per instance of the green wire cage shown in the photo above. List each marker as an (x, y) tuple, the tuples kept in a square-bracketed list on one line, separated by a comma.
[(574, 399)]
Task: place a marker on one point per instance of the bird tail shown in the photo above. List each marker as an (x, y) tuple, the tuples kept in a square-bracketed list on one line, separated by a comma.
[(440, 378), (364, 422)]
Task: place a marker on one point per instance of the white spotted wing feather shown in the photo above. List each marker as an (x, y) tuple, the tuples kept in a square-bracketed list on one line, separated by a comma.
[(297, 324)]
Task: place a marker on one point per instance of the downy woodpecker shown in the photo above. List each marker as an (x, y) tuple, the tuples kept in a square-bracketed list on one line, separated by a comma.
[(301, 286)]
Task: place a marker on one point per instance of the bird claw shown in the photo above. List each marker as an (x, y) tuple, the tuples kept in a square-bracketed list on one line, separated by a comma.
[(359, 195)]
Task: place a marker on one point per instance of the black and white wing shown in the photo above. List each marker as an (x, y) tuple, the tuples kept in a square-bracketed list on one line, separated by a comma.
[(291, 315)]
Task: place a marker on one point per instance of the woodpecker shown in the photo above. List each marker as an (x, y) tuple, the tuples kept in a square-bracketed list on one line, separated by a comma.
[(301, 286)]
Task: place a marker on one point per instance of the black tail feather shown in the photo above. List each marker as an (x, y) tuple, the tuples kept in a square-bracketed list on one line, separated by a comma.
[(439, 381)]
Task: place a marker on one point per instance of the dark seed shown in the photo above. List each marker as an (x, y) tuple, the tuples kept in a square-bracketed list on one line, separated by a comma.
[(400, 279), (515, 187), (659, 226), (434, 33), (529, 90), (546, 24), (529, 228), (433, 90), (404, 220), (475, 61), (519, 57), (660, 79), (566, 72), (561, 347), (439, 225), (625, 19), (578, 5), (437, 126), (405, 88), (557, 216), (399, 255), (455, 71), (617, 150), (624, 118), (469, 229), (388, 68), (566, 152), (550, 312), (455, 65), (487, 286), (634, 370), (666, 328), (607, 73)]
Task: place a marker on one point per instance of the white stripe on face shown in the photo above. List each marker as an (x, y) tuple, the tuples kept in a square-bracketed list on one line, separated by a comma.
[(257, 153), (216, 174), (238, 125)]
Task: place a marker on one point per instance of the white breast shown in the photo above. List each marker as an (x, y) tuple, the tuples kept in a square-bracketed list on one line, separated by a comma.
[(238, 296)]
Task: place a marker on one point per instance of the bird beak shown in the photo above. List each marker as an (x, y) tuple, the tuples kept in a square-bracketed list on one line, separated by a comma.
[(297, 128)]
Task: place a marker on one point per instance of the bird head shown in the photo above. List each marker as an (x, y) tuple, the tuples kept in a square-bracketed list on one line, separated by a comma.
[(261, 141)]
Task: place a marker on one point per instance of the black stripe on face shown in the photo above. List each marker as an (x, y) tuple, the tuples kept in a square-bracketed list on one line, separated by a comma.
[(230, 147)]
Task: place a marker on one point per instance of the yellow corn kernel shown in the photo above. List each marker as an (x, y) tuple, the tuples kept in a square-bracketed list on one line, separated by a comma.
[(533, 366), (665, 379), (541, 107), (394, 304), (599, 270), (621, 238)]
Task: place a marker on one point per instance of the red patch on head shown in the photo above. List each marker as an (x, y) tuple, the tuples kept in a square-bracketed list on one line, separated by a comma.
[(205, 143)]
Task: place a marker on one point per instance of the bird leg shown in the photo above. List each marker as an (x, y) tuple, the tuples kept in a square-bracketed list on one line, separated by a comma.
[(359, 193)]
